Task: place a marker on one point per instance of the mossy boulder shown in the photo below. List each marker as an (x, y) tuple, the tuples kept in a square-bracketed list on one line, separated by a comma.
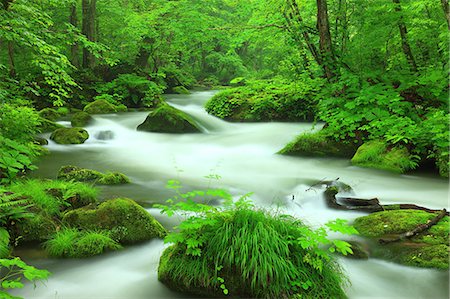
[(180, 90), (75, 173), (49, 113), (69, 135), (377, 154), (167, 119), (36, 228), (47, 126), (318, 144), (100, 107), (121, 108), (428, 249), (123, 218), (81, 119)]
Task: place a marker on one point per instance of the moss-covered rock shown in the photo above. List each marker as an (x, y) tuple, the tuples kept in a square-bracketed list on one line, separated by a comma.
[(75, 173), (49, 113), (167, 119), (81, 119), (428, 249), (121, 108), (100, 107), (40, 140), (377, 154), (69, 135), (47, 126), (260, 101), (318, 144), (180, 90), (36, 227), (123, 218)]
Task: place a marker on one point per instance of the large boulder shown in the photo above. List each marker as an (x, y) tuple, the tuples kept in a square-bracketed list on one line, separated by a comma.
[(429, 249), (100, 107), (167, 119), (70, 135), (377, 154), (123, 218), (81, 119)]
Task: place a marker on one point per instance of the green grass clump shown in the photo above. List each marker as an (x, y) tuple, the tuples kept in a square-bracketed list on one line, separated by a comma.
[(71, 243), (250, 253), (318, 144), (51, 197), (375, 154)]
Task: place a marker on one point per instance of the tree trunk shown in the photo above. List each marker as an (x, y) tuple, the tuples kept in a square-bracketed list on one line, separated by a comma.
[(325, 43), (74, 49), (404, 35), (446, 11), (88, 30), (12, 67)]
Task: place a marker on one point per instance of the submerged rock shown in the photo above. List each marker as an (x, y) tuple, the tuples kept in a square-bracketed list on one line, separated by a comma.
[(126, 221), (377, 154), (167, 119), (429, 249), (81, 119), (100, 107), (70, 135), (105, 135)]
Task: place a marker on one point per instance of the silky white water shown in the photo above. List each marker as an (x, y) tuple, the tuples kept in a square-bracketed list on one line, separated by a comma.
[(243, 155)]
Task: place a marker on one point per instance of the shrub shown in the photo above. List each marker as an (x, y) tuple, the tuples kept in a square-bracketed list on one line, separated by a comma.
[(18, 123)]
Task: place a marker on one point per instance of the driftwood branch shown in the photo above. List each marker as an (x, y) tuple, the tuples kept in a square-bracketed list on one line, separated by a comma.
[(420, 228)]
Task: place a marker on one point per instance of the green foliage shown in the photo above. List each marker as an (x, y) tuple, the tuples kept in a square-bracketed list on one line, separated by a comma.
[(132, 91), (13, 271), (71, 243), (266, 101), (180, 90), (49, 113), (4, 243), (258, 254), (18, 123)]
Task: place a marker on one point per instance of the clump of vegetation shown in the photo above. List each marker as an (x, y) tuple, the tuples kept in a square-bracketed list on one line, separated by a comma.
[(35, 228), (47, 126), (71, 243), (266, 101), (318, 144), (428, 249), (70, 135), (81, 119), (125, 219), (180, 90), (75, 173), (243, 251), (49, 113), (167, 119)]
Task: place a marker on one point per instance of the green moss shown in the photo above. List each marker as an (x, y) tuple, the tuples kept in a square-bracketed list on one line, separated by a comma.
[(81, 119), (239, 81), (71, 243), (428, 249), (100, 107), (180, 90), (376, 154), (37, 227), (63, 111), (317, 144), (70, 135), (49, 113), (121, 108), (47, 126), (253, 253), (75, 173), (125, 219), (167, 119)]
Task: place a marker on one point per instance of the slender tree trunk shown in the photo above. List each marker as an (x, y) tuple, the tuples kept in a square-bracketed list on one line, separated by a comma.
[(325, 43), (74, 49), (446, 9), (12, 67), (88, 29), (404, 35)]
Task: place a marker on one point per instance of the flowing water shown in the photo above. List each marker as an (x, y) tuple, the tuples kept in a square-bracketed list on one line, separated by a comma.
[(243, 155)]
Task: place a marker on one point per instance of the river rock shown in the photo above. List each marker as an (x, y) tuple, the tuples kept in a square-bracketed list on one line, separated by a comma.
[(49, 113), (104, 135), (167, 119), (47, 126), (377, 154), (75, 173), (81, 119), (127, 221), (70, 135), (100, 107)]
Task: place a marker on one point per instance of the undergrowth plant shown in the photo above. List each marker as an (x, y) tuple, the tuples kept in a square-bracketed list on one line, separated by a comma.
[(242, 250)]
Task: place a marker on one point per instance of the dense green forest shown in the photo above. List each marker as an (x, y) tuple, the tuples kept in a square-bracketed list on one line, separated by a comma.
[(372, 75)]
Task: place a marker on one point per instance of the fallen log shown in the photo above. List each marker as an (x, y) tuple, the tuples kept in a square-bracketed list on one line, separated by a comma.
[(419, 229)]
